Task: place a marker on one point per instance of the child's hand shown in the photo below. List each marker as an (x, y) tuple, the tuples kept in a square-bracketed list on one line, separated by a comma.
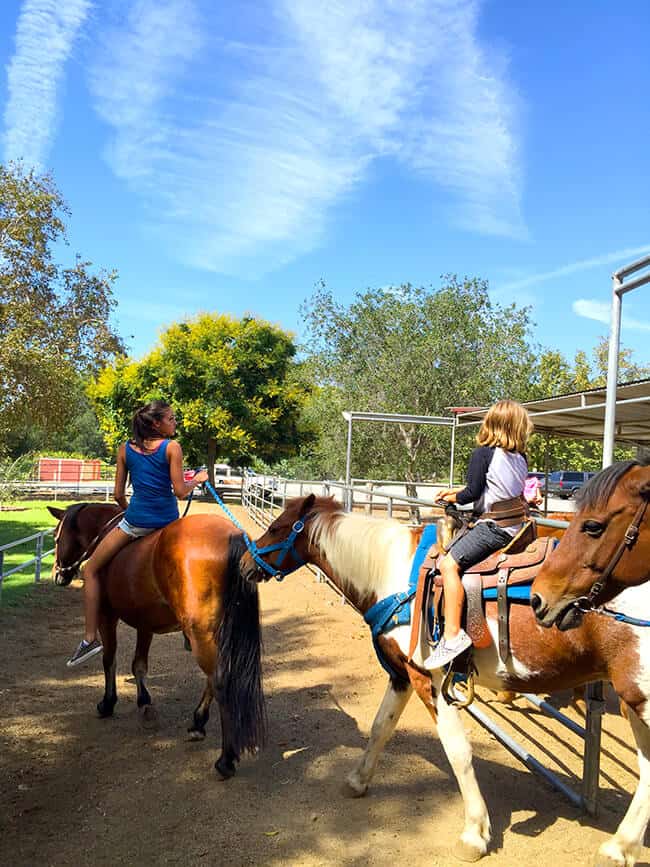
[(449, 495), (201, 476)]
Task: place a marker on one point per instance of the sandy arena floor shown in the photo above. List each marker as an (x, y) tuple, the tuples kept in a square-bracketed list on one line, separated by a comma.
[(78, 790)]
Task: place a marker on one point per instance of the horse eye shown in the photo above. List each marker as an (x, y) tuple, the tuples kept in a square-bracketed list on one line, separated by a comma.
[(593, 528)]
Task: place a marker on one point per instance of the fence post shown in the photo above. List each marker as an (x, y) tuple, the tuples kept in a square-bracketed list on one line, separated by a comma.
[(39, 554), (2, 569)]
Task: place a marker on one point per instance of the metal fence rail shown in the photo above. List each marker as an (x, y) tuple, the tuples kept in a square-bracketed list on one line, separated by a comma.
[(36, 560), (264, 497)]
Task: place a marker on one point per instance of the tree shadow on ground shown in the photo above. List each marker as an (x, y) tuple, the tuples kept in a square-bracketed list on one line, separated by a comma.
[(80, 790)]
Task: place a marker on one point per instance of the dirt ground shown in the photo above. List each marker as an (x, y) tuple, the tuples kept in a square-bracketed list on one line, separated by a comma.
[(80, 790)]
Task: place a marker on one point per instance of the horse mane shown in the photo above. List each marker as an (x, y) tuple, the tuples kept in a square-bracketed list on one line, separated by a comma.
[(72, 513), (600, 488), (367, 553)]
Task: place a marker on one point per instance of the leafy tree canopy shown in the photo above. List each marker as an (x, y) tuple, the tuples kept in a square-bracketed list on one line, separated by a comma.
[(234, 385), (411, 350), (54, 321)]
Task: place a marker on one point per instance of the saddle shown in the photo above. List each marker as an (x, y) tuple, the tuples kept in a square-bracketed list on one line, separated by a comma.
[(515, 565)]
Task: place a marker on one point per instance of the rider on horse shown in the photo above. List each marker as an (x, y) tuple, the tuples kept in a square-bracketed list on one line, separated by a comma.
[(155, 464)]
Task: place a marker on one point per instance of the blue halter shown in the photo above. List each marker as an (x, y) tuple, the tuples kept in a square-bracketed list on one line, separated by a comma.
[(286, 547)]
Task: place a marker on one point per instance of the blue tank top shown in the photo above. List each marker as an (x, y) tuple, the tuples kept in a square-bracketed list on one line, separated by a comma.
[(153, 503)]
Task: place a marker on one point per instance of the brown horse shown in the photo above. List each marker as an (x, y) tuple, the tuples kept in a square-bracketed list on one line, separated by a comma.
[(369, 559), (183, 577)]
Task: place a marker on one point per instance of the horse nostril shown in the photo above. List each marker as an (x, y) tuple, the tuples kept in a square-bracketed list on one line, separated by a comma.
[(536, 603)]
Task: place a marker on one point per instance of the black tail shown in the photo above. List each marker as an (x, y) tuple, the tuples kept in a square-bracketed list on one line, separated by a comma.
[(239, 670)]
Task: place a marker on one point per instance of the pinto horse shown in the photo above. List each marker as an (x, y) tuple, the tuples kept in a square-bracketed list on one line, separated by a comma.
[(369, 559), (183, 577)]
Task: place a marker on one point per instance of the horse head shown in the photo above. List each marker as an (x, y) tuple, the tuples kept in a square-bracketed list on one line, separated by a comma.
[(605, 549), (75, 536), (285, 545)]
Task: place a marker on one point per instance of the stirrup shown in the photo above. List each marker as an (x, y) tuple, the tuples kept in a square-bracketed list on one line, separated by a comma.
[(449, 690)]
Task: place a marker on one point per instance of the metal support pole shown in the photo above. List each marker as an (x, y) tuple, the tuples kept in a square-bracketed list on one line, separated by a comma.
[(547, 440), (39, 555), (591, 760), (612, 373), (453, 452), (348, 454)]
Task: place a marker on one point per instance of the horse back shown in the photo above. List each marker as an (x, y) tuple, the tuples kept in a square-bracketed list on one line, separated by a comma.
[(174, 576)]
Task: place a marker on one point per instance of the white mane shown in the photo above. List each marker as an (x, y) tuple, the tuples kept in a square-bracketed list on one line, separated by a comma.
[(372, 555)]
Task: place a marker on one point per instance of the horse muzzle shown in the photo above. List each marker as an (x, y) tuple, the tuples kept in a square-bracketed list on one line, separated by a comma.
[(251, 571), (565, 614), (63, 576)]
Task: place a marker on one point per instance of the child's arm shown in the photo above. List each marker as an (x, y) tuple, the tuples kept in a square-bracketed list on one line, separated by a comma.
[(119, 492), (180, 486), (479, 463)]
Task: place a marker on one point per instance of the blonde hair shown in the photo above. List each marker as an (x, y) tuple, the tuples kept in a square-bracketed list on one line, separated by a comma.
[(506, 424)]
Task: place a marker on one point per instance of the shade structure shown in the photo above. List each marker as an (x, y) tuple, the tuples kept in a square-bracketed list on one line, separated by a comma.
[(581, 414)]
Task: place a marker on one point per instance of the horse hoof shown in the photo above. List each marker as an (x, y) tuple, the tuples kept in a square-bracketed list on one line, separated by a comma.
[(225, 769), (467, 852), (354, 790), (149, 714), (196, 734), (105, 708)]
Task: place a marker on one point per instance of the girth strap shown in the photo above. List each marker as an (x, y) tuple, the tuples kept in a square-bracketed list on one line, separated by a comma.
[(502, 614)]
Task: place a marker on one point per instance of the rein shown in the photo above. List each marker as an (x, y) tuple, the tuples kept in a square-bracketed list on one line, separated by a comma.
[(285, 547), (61, 570), (587, 603)]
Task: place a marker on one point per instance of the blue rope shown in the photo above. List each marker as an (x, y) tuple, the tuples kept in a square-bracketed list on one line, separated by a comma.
[(255, 552), (622, 618)]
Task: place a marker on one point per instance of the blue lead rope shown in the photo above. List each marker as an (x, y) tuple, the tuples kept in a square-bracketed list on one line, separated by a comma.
[(285, 547)]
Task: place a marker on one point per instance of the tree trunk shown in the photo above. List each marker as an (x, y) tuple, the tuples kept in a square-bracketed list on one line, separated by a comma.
[(212, 457)]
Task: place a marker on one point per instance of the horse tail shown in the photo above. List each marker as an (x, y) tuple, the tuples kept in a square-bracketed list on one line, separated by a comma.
[(239, 668)]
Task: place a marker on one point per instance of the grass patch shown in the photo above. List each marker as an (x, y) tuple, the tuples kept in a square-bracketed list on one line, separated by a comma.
[(18, 520)]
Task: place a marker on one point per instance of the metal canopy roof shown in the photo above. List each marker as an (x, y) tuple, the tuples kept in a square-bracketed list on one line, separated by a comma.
[(581, 415)]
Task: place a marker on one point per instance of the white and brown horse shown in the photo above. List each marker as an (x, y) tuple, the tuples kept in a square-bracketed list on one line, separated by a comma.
[(369, 559)]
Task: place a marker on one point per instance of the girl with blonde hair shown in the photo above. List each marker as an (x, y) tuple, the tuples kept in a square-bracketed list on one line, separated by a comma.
[(495, 485)]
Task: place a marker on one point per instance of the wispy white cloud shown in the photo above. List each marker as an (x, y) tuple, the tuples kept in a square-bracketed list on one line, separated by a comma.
[(601, 312), (45, 37), (619, 256), (244, 171)]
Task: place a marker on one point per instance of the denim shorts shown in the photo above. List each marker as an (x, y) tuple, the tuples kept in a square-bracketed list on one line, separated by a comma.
[(482, 540), (135, 532)]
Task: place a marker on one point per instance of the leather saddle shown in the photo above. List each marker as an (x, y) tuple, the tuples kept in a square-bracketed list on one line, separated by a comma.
[(516, 564)]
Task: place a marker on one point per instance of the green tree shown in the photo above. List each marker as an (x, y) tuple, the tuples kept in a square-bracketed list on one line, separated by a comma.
[(234, 384), (54, 321), (412, 350)]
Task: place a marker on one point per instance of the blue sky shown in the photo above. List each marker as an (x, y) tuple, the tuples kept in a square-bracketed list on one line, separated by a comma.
[(227, 156)]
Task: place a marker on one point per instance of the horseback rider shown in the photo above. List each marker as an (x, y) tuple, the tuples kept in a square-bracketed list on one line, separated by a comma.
[(495, 485), (155, 463)]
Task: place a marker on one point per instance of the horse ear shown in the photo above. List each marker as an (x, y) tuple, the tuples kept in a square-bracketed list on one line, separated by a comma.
[(307, 503), (57, 513)]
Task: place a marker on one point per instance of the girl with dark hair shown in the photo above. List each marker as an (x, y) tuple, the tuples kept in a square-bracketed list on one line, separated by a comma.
[(155, 463)]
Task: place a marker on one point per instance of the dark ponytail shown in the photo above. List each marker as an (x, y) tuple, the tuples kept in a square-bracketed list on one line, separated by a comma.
[(143, 422)]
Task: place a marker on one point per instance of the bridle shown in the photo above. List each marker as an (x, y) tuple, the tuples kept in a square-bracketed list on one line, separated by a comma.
[(285, 547), (63, 570), (588, 602)]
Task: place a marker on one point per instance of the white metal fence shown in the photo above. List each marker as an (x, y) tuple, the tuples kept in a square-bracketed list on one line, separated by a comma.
[(36, 561)]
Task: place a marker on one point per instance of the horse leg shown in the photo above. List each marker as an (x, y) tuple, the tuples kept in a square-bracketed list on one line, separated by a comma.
[(108, 632), (204, 649), (139, 667), (625, 846), (474, 840), (388, 714), (202, 712)]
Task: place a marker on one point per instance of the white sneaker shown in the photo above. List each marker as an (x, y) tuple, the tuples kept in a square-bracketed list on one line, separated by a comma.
[(445, 651)]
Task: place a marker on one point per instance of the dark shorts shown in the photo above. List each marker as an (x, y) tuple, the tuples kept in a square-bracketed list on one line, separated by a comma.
[(479, 542)]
